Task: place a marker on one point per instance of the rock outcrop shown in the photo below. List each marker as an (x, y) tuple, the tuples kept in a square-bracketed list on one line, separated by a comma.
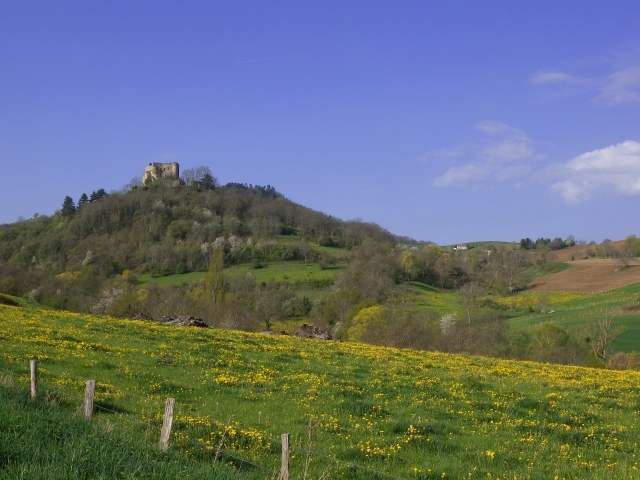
[(309, 331)]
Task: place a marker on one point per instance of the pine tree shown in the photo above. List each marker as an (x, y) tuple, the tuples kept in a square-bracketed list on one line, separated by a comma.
[(83, 199), (68, 207)]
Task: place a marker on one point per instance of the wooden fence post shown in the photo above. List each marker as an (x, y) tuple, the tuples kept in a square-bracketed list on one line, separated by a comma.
[(166, 424), (284, 466), (89, 394), (34, 378)]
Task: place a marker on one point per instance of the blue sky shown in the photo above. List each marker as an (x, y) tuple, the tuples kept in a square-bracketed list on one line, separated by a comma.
[(444, 121)]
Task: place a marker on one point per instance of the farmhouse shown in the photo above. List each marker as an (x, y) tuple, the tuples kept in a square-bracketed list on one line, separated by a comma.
[(461, 246)]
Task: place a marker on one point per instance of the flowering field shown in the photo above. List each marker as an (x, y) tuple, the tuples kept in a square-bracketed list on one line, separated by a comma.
[(407, 413)]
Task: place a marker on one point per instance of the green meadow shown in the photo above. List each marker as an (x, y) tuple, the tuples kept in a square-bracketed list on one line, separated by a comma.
[(47, 440), (296, 273), (352, 410)]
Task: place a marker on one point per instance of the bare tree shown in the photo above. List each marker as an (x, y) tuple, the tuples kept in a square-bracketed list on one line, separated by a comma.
[(600, 336), (468, 294), (543, 303), (443, 267), (202, 174), (269, 307), (514, 263), (624, 255)]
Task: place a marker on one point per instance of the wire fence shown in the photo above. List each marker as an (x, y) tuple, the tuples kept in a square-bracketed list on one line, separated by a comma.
[(152, 425)]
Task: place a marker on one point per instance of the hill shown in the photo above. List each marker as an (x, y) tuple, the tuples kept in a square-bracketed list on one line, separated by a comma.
[(351, 406), (64, 260), (244, 257)]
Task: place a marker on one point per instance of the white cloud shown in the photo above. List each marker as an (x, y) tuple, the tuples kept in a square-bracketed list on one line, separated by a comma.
[(492, 127), (618, 88), (615, 168), (507, 153), (553, 77), (473, 172), (444, 154), (621, 87)]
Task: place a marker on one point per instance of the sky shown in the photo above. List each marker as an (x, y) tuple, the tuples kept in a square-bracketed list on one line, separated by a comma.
[(454, 121)]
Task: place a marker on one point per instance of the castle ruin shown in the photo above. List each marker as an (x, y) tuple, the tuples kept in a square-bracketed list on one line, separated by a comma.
[(168, 173)]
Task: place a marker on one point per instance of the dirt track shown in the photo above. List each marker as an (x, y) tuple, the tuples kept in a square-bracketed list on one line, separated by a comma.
[(588, 276)]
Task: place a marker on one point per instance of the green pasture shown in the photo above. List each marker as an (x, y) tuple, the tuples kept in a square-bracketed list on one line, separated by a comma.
[(426, 297), (407, 413), (296, 273), (580, 310), (333, 251), (175, 279)]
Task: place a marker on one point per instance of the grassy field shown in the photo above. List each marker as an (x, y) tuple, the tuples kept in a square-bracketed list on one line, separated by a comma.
[(426, 297), (47, 439), (411, 414), (574, 310), (296, 273)]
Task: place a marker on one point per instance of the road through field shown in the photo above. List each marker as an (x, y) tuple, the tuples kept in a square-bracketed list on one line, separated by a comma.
[(588, 276)]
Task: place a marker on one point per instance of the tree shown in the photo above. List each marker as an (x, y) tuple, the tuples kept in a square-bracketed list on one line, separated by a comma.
[(269, 306), (97, 195), (200, 174), (526, 243), (605, 249), (209, 182), (624, 255), (326, 260), (543, 303), (514, 263), (410, 264), (468, 294), (366, 319), (68, 207), (600, 336), (443, 267), (633, 244), (83, 199), (214, 280)]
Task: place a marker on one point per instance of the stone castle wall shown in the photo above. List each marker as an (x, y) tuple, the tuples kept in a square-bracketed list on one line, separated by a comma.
[(161, 171)]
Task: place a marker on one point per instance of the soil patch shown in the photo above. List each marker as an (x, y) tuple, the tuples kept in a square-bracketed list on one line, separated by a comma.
[(588, 276)]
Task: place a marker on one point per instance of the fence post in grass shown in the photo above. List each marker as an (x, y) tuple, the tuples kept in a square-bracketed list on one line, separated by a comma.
[(166, 424), (34, 378), (284, 466), (89, 394)]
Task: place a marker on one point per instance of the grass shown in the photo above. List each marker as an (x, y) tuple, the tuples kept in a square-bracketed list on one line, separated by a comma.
[(575, 310), (47, 439), (296, 273), (412, 414), (176, 279), (426, 297)]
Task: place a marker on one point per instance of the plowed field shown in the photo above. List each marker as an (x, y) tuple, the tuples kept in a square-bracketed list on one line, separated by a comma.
[(588, 276)]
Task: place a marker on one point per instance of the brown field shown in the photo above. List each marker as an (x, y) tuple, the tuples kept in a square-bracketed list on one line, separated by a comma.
[(588, 276)]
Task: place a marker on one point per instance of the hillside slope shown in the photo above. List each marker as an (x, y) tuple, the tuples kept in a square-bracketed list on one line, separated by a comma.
[(411, 414)]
